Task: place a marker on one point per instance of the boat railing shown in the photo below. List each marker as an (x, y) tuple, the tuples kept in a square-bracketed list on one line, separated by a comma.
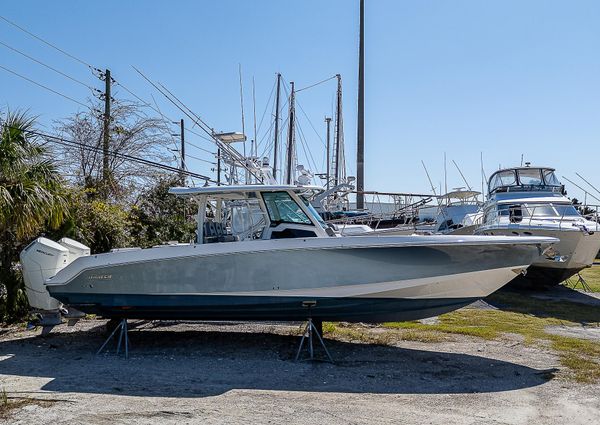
[(385, 209), (564, 221)]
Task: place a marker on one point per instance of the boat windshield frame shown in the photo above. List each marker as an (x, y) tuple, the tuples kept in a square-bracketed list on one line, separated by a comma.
[(515, 180), (223, 195)]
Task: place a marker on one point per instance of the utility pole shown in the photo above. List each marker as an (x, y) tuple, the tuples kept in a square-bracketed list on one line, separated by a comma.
[(291, 136), (360, 136), (328, 121), (182, 129), (338, 130), (276, 142), (106, 134)]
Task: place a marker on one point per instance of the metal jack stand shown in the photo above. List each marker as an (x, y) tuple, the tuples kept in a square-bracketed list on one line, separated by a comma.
[(580, 281), (123, 336), (309, 330)]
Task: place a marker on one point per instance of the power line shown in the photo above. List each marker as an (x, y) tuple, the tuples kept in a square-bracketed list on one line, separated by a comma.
[(202, 136), (65, 142), (200, 159), (45, 87), (48, 43), (47, 66), (198, 147)]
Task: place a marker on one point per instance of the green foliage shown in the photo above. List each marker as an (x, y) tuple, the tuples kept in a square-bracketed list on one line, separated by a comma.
[(592, 278), (160, 217), (34, 200), (32, 197), (99, 224)]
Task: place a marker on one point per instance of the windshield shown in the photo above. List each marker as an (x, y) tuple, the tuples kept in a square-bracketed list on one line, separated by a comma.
[(539, 210), (314, 212), (566, 210), (532, 177), (550, 178), (283, 209), (503, 178)]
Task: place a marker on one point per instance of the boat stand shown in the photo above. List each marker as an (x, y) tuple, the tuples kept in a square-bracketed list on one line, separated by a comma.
[(580, 281), (308, 333), (123, 337)]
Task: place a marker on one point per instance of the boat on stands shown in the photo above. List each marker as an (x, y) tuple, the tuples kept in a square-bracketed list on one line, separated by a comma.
[(531, 201), (262, 253)]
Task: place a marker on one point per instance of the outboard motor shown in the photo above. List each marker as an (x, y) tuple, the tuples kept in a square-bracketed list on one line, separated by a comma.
[(42, 259)]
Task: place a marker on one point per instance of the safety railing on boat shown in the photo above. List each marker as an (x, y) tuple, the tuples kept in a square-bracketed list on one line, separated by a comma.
[(537, 215), (384, 210)]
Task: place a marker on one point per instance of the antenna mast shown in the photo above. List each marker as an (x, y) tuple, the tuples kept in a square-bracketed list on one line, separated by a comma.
[(328, 148), (242, 105), (462, 175), (255, 152), (291, 136), (276, 142)]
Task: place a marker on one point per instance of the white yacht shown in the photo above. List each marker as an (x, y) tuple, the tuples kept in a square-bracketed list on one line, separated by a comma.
[(531, 201), (447, 217), (261, 252)]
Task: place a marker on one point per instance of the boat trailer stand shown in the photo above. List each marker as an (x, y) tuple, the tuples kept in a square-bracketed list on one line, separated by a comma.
[(123, 337), (309, 330)]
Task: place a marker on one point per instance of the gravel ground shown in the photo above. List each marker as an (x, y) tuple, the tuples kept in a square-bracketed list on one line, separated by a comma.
[(244, 373)]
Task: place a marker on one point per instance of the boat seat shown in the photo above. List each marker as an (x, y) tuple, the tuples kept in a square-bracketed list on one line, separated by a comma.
[(215, 231)]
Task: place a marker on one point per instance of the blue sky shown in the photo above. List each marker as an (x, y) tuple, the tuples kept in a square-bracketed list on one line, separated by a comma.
[(505, 78)]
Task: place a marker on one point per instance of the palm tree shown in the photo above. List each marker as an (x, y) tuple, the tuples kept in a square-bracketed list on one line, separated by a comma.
[(32, 197)]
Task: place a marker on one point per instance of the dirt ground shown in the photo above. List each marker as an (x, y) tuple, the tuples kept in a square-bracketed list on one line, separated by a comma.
[(244, 373)]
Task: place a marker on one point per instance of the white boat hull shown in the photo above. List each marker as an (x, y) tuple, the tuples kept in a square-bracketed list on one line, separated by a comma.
[(351, 278), (575, 251)]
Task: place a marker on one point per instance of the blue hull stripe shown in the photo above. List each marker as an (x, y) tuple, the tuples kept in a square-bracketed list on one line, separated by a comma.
[(224, 307)]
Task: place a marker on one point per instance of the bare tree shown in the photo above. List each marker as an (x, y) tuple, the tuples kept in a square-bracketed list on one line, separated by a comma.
[(132, 133)]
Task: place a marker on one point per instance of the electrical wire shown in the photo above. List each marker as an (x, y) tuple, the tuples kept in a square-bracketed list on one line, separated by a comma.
[(235, 155), (47, 66), (68, 143), (48, 43), (45, 87), (200, 159), (198, 147)]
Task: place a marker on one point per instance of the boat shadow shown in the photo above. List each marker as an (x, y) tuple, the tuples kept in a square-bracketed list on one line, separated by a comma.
[(559, 302), (194, 363)]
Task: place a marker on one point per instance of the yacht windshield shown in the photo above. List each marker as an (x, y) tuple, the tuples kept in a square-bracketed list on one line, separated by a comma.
[(539, 210), (566, 210), (504, 178), (283, 209), (550, 178), (531, 177)]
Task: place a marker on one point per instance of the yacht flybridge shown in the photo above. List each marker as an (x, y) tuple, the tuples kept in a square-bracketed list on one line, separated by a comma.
[(531, 201), (261, 252)]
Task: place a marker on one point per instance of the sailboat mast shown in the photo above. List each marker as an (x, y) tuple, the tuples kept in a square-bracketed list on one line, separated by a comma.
[(360, 136), (338, 130), (291, 134), (276, 142), (328, 178)]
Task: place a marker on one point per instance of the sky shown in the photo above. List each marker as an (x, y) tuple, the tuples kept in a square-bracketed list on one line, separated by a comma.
[(500, 80)]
